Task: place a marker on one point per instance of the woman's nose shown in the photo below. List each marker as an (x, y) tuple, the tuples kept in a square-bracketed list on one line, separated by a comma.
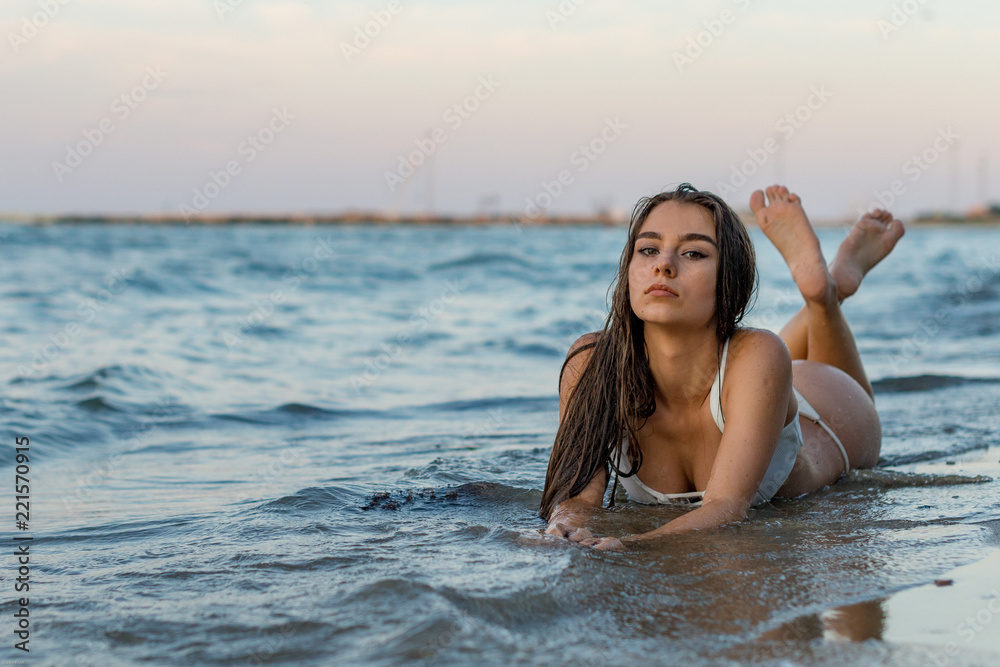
[(665, 264)]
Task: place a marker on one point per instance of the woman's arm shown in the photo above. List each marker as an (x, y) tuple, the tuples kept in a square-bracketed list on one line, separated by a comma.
[(755, 400), (575, 512)]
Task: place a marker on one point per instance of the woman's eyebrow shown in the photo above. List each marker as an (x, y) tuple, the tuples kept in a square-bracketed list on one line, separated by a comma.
[(691, 236), (699, 237)]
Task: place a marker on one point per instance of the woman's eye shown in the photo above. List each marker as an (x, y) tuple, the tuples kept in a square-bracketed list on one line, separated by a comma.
[(642, 251), (695, 254)]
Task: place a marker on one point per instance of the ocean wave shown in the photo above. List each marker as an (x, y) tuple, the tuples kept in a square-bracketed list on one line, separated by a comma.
[(549, 350), (97, 404), (287, 412), (926, 383), (58, 432), (268, 269), (133, 375), (516, 403), (314, 498), (895, 479), (117, 532), (365, 498), (476, 260), (268, 562), (490, 494), (929, 455)]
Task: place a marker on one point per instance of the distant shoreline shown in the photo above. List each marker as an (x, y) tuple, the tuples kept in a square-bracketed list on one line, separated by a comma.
[(607, 220), (320, 219)]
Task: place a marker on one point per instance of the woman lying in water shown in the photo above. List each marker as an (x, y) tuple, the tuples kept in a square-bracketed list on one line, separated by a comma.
[(685, 405)]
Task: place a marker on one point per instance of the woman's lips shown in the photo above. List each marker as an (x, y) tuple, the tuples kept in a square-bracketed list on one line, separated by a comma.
[(660, 290)]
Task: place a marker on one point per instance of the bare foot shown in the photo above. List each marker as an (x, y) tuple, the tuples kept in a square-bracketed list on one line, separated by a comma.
[(784, 222), (869, 241)]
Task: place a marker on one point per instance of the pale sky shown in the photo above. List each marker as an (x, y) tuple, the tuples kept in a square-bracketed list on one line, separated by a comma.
[(886, 81)]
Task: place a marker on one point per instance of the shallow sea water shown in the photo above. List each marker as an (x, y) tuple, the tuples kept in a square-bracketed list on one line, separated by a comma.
[(326, 445)]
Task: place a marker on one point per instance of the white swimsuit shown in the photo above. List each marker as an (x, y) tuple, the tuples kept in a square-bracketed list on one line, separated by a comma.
[(789, 443)]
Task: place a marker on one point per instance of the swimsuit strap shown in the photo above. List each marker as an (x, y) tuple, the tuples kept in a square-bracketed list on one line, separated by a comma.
[(715, 396), (840, 445), (809, 412)]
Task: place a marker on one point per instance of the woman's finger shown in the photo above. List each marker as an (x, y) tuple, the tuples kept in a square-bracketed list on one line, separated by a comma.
[(609, 544), (558, 529)]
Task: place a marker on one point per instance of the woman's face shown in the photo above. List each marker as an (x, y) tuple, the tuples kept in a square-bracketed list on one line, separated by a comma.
[(676, 249)]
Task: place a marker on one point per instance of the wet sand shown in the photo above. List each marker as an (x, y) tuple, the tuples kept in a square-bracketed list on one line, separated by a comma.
[(953, 619)]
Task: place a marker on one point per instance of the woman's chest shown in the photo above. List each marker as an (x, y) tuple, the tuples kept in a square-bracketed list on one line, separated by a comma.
[(678, 451)]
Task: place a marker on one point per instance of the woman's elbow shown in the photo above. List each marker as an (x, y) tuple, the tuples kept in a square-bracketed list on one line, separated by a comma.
[(726, 510)]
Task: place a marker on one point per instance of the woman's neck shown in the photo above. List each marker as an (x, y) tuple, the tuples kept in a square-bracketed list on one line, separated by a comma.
[(684, 364)]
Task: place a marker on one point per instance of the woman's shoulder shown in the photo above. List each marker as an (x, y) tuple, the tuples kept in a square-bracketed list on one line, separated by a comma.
[(587, 340), (576, 362), (579, 355), (751, 348)]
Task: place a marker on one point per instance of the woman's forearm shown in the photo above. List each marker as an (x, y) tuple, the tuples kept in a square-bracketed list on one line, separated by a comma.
[(709, 515), (573, 513)]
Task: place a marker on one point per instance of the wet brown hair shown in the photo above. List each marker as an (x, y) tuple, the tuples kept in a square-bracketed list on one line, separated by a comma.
[(615, 392)]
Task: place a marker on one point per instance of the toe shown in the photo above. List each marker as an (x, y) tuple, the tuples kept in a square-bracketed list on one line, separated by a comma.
[(756, 201)]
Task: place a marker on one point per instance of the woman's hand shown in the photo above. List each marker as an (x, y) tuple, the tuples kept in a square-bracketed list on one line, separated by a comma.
[(570, 525), (586, 538), (569, 519), (568, 516)]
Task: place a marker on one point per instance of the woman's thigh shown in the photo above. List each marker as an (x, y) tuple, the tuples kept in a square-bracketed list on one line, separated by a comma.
[(848, 410)]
